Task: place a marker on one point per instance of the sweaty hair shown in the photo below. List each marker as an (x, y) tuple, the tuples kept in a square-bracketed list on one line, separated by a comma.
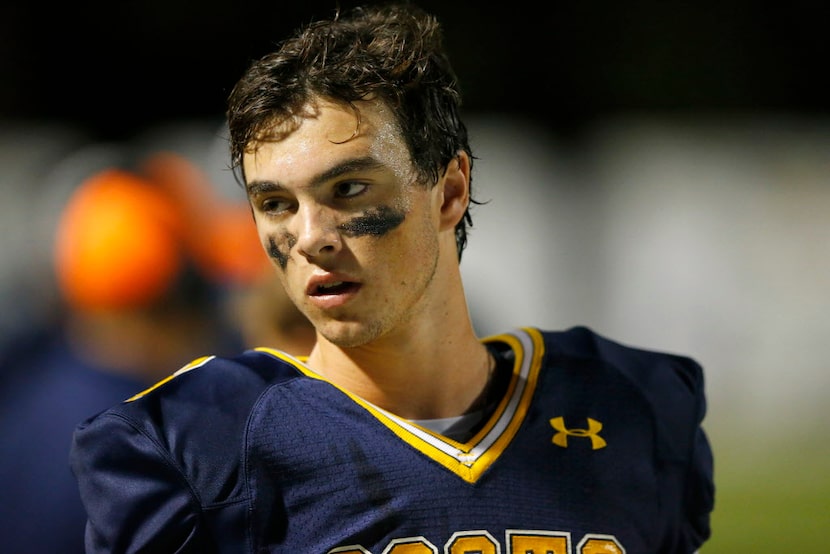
[(393, 52)]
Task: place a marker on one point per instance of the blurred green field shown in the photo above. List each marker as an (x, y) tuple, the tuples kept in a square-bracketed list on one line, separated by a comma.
[(773, 494)]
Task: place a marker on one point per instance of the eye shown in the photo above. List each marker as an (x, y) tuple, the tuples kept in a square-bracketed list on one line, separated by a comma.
[(274, 205), (349, 189)]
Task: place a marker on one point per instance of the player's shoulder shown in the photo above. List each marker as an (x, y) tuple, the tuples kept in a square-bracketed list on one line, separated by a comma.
[(208, 389), (640, 364), (670, 384), (197, 418)]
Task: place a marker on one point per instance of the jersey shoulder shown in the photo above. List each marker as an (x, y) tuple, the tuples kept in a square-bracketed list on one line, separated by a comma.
[(198, 413), (671, 384), (212, 384), (639, 364)]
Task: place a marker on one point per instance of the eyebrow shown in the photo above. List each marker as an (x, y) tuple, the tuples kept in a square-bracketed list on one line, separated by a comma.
[(366, 163)]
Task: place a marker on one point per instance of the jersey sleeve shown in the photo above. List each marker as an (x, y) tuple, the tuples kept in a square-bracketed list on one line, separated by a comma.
[(162, 472), (699, 494), (136, 499), (680, 403), (673, 387)]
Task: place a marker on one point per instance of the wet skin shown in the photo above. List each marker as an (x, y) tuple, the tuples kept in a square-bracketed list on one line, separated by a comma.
[(354, 235), (368, 253), (375, 222)]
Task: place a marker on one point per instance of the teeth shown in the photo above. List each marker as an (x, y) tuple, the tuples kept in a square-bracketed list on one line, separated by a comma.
[(330, 285)]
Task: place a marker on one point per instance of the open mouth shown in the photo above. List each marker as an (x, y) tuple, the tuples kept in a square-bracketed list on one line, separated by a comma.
[(340, 287)]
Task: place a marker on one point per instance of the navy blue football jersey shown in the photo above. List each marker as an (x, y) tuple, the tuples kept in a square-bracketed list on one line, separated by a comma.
[(596, 447)]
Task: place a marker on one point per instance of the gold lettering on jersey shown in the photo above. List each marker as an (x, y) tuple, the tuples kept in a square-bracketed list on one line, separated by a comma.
[(467, 542), (599, 544), (481, 542), (349, 550), (538, 542), (411, 545), (592, 432)]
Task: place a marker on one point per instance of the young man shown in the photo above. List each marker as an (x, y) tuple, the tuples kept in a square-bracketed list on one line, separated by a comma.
[(401, 432)]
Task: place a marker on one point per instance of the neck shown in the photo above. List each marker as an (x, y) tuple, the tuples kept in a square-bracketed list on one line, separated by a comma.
[(434, 368)]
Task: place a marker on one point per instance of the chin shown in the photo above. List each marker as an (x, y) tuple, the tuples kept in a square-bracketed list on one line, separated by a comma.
[(349, 334)]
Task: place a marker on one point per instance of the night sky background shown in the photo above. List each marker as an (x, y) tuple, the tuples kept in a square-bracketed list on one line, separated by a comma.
[(116, 68)]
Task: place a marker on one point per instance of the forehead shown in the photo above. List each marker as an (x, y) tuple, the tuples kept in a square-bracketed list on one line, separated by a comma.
[(325, 134)]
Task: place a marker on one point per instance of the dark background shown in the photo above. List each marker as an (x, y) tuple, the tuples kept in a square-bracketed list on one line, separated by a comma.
[(117, 67)]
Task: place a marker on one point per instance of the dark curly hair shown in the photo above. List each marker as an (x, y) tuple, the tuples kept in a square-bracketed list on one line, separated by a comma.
[(394, 52)]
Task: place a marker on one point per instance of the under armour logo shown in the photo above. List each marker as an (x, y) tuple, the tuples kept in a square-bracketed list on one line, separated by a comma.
[(592, 432)]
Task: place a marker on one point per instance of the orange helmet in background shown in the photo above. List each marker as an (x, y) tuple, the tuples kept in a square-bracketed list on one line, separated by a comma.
[(124, 237), (221, 235), (118, 243)]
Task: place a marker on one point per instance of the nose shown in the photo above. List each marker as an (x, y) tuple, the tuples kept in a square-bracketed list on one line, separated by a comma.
[(316, 232)]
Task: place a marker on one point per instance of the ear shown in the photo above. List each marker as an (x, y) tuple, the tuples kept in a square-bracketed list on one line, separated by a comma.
[(456, 190)]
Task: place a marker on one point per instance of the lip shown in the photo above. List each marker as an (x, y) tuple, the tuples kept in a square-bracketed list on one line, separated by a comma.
[(336, 295)]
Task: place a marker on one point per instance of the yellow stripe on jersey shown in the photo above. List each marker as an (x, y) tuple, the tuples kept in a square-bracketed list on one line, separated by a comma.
[(198, 362), (471, 459)]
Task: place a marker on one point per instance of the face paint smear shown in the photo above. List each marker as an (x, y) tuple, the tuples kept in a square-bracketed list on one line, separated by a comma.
[(275, 253), (376, 222)]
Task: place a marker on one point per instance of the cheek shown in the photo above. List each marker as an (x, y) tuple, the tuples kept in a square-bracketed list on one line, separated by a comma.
[(278, 246), (409, 248)]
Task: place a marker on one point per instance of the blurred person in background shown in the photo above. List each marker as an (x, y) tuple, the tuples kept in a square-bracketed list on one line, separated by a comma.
[(133, 308), (264, 315), (142, 291), (221, 235)]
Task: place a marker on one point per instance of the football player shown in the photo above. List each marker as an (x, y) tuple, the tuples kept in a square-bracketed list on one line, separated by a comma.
[(401, 431)]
